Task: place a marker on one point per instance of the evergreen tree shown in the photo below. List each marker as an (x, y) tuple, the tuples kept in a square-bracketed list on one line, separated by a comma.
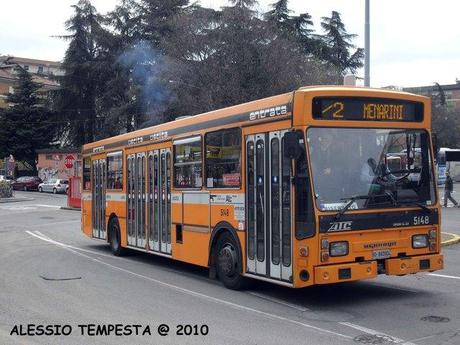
[(85, 72), (296, 28), (3, 135), (28, 124), (337, 49), (445, 126), (141, 91), (152, 60), (156, 19)]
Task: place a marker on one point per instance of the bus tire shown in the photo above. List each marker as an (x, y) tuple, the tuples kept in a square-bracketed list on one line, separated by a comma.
[(115, 237), (228, 262)]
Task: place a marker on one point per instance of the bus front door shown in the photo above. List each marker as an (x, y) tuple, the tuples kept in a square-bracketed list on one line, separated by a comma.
[(136, 200), (159, 200), (268, 200), (99, 178)]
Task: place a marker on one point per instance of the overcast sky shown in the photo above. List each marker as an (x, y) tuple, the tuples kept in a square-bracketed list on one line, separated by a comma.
[(413, 42)]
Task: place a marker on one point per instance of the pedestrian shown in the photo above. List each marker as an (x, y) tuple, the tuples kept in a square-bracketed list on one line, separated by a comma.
[(448, 188)]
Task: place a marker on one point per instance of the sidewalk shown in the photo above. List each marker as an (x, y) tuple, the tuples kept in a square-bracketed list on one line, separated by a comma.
[(14, 199)]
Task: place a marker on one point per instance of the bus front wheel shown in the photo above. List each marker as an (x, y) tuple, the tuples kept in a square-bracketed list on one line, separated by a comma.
[(115, 238), (228, 262)]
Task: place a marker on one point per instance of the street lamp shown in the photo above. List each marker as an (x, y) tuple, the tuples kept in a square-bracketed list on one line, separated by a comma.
[(366, 46)]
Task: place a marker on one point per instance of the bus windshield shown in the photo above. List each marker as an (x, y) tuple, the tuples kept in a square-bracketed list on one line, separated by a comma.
[(375, 168)]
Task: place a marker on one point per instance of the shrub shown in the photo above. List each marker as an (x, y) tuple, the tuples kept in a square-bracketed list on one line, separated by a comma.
[(6, 189)]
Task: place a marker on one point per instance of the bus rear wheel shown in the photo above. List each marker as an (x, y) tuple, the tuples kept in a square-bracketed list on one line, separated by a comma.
[(115, 238), (228, 262)]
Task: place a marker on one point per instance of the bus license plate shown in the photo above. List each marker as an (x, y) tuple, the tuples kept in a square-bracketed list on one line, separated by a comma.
[(381, 254)]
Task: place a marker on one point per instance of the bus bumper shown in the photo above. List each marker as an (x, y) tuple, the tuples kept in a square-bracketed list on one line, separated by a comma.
[(368, 269), (414, 264), (345, 272)]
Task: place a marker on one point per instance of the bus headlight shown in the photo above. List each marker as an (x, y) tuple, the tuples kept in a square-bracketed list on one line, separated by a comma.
[(338, 248), (419, 241)]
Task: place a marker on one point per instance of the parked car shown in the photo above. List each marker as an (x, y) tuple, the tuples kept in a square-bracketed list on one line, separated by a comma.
[(27, 183), (6, 178), (54, 185)]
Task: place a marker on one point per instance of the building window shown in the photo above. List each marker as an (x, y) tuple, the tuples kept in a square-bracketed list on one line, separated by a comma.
[(49, 157), (187, 163), (26, 67), (40, 69), (115, 170), (223, 158), (87, 173)]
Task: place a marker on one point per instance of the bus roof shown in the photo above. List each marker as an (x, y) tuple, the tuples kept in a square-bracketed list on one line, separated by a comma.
[(231, 115)]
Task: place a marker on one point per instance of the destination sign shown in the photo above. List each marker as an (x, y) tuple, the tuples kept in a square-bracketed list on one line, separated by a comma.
[(366, 109)]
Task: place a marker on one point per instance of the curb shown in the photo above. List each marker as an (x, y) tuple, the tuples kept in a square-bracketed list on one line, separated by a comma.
[(455, 239), (8, 200), (70, 208)]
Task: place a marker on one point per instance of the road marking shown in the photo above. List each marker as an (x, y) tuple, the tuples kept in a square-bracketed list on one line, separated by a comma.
[(374, 332), (428, 336), (443, 276), (28, 207), (18, 207), (72, 247), (278, 301), (45, 205), (194, 293)]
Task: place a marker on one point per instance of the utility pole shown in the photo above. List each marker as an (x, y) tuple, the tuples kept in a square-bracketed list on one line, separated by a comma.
[(367, 79)]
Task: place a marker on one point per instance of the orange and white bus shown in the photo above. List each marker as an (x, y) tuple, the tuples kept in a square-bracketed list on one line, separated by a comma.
[(293, 189)]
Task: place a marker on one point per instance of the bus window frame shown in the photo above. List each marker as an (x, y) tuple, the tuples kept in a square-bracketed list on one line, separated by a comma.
[(387, 209), (113, 153), (173, 162), (90, 173), (241, 159)]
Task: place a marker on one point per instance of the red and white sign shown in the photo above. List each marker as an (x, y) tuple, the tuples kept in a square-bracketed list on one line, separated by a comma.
[(68, 162), (231, 179)]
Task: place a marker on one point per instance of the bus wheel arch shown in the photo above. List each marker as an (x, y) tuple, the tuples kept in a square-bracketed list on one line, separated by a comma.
[(225, 256), (114, 235)]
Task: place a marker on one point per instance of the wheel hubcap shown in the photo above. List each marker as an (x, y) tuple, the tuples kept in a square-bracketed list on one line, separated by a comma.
[(227, 260)]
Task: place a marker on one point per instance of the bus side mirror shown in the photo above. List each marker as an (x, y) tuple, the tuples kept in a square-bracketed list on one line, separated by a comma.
[(291, 147)]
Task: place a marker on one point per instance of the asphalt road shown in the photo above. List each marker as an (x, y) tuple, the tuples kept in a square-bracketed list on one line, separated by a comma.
[(50, 274)]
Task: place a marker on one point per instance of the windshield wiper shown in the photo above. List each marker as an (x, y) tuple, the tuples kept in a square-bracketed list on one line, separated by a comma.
[(360, 197), (419, 204)]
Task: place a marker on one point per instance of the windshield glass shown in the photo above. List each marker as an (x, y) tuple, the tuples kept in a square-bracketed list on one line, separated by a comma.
[(386, 167)]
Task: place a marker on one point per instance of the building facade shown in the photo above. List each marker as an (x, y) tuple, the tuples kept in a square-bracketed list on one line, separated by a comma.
[(58, 163), (451, 93), (43, 72)]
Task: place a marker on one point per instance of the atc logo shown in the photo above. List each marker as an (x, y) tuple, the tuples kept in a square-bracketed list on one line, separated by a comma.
[(340, 226)]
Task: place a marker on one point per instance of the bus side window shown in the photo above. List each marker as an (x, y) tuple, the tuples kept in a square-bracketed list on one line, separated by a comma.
[(87, 173), (223, 158), (115, 171), (187, 163)]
